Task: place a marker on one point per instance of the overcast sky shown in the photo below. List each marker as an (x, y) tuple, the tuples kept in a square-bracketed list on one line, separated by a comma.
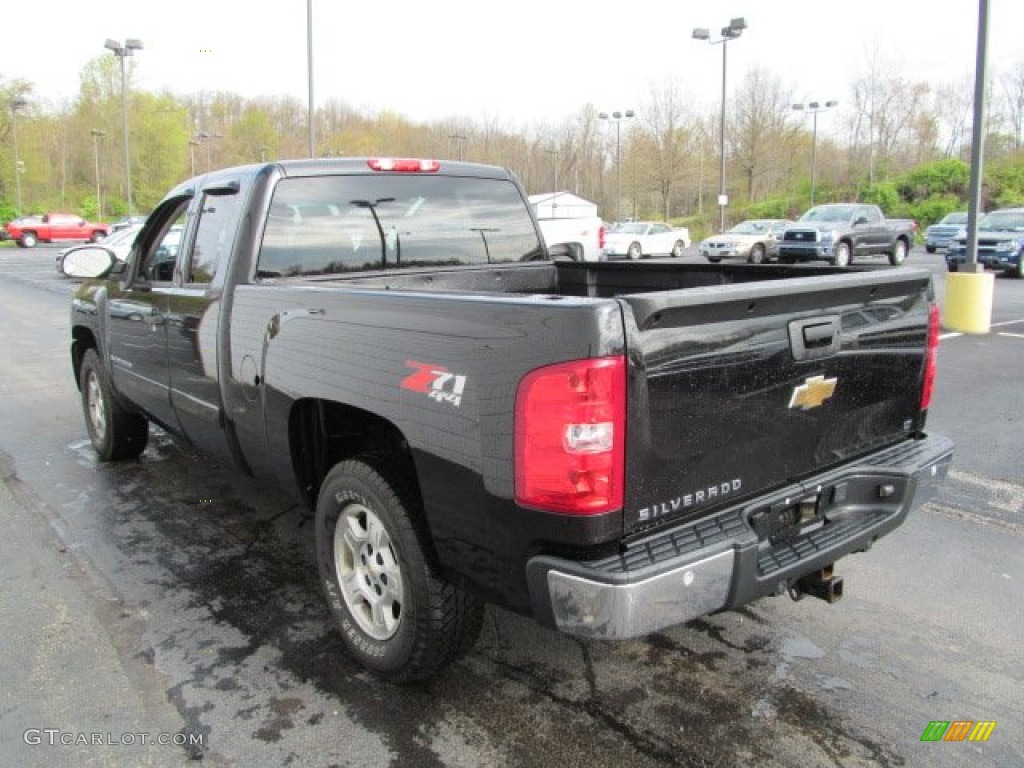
[(525, 62)]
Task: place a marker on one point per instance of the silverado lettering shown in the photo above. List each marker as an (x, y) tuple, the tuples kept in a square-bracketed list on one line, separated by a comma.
[(599, 390)]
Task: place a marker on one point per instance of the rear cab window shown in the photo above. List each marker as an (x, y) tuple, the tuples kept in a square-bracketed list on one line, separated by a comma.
[(352, 223)]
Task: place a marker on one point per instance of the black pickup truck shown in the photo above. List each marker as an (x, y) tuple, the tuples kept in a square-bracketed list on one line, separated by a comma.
[(612, 448)]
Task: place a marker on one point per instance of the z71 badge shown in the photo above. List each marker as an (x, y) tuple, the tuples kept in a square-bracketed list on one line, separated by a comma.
[(436, 382)]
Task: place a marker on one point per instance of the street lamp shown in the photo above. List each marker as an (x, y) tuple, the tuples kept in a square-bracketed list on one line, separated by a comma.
[(15, 104), (122, 52), (204, 137), (459, 139), (97, 134), (814, 107), (731, 32), (618, 118), (192, 144)]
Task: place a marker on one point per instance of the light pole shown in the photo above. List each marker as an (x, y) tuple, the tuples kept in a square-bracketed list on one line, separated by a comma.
[(97, 134), (192, 144), (814, 107), (122, 52), (617, 118), (731, 32), (309, 74), (15, 104), (459, 139), (204, 137)]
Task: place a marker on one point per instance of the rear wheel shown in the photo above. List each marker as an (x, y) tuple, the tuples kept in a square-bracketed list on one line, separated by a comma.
[(398, 616), (28, 240), (677, 249), (116, 433), (930, 248), (756, 254), (899, 253), (1019, 272), (96, 236), (634, 252)]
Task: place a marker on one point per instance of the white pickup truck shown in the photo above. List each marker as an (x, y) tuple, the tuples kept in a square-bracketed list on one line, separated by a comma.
[(567, 219)]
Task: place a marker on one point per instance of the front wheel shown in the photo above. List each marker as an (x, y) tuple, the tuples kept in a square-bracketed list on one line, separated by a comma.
[(399, 617), (96, 237), (842, 255), (677, 249), (930, 248), (635, 252), (115, 432), (756, 254), (899, 253), (28, 240)]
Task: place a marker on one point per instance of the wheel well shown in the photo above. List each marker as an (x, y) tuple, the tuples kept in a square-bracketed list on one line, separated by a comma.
[(81, 340), (321, 433)]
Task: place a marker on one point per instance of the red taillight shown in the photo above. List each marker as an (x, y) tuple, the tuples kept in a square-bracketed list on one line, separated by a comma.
[(403, 164), (600, 237), (570, 437), (929, 359)]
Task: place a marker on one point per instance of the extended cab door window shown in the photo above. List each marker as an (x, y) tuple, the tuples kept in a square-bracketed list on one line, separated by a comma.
[(215, 235)]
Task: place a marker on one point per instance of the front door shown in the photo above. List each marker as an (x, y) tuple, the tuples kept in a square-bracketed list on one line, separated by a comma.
[(137, 316)]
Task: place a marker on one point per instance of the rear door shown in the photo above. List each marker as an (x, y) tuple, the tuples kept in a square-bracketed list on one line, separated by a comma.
[(739, 388)]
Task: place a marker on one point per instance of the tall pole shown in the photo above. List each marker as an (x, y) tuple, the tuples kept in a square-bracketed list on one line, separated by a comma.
[(731, 32), (723, 200), (16, 103), (814, 107), (309, 69), (124, 121), (617, 118), (122, 52), (814, 154), (96, 135), (977, 141)]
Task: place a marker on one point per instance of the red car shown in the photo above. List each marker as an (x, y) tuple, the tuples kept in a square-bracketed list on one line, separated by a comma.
[(54, 228)]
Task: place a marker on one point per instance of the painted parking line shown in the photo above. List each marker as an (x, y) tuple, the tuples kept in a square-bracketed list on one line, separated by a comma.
[(1013, 335), (1008, 322)]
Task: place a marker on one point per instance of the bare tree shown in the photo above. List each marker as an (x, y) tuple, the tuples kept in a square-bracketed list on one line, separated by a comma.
[(672, 140), (1013, 103), (760, 125)]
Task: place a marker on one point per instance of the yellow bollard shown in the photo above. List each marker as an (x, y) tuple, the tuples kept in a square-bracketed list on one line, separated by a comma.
[(968, 302)]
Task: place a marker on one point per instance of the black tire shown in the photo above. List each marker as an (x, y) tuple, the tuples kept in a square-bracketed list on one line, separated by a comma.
[(96, 237), (714, 259), (116, 433), (634, 252), (930, 248), (842, 257), (899, 253), (756, 254), (371, 545), (28, 240), (787, 260), (954, 267), (677, 249), (1019, 271)]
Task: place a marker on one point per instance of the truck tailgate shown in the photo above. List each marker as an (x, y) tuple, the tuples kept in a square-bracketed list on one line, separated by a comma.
[(736, 389)]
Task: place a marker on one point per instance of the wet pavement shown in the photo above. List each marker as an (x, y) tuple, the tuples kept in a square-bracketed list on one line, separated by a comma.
[(197, 612)]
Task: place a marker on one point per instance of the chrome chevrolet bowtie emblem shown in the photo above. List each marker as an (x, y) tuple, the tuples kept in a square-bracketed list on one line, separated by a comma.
[(812, 393)]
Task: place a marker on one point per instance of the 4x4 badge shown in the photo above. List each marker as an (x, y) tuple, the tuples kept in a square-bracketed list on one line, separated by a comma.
[(812, 393)]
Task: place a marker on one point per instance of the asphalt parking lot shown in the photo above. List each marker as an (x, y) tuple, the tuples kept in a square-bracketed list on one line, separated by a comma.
[(169, 596)]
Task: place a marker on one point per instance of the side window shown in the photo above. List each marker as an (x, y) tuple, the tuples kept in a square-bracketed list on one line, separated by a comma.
[(215, 235), (160, 246)]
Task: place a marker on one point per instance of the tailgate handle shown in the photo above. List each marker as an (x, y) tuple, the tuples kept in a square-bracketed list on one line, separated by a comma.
[(814, 338)]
